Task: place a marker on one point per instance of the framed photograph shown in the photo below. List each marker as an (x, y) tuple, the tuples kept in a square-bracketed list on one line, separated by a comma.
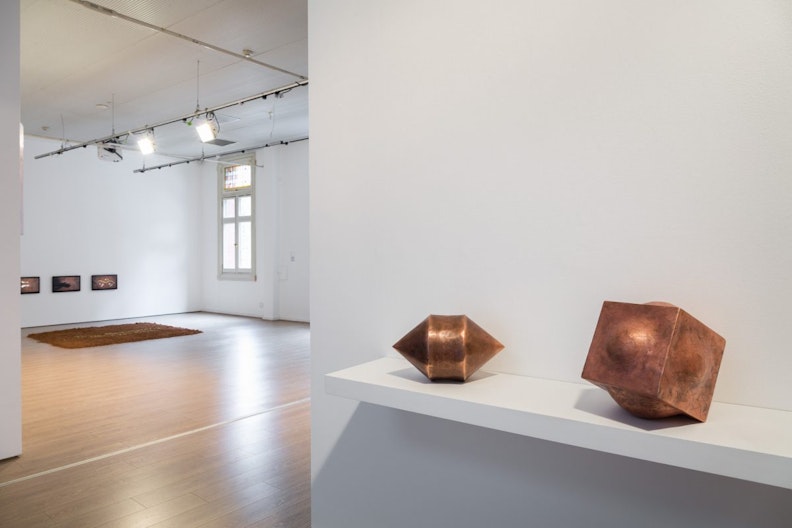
[(104, 282), (30, 284), (65, 283)]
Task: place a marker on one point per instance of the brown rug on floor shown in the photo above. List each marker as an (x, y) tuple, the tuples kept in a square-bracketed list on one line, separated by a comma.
[(109, 335)]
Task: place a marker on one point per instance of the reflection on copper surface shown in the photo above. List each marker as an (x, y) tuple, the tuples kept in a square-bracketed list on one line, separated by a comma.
[(654, 359), (448, 347)]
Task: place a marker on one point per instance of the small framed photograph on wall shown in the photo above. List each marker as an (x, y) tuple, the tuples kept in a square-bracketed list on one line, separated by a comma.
[(104, 282), (65, 283), (30, 285)]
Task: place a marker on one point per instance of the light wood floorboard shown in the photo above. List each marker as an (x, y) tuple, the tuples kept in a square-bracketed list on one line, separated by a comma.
[(207, 430)]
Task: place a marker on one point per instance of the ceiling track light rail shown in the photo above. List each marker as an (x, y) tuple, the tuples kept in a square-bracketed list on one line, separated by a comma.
[(115, 137), (216, 156), (243, 56)]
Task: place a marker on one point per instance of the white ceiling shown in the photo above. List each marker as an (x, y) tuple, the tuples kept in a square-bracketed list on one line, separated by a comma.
[(74, 58)]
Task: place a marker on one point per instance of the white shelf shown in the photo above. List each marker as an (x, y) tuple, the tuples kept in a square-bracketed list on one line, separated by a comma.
[(736, 441)]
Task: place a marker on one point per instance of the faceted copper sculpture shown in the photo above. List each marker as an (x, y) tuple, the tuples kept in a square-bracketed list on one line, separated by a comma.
[(654, 359), (448, 347)]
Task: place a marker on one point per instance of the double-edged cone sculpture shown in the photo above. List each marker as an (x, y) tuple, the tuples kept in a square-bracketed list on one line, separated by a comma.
[(654, 359), (448, 347)]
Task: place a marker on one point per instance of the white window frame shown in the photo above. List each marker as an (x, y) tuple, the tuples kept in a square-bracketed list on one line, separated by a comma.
[(222, 194)]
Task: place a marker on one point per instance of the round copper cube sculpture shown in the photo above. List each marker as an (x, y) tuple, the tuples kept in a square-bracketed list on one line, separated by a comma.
[(654, 359), (448, 347)]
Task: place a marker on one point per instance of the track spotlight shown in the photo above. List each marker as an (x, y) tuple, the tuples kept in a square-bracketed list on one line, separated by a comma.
[(109, 151), (208, 128), (146, 143)]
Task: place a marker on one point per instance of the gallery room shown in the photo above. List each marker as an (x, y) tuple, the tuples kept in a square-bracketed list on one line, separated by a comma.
[(545, 169)]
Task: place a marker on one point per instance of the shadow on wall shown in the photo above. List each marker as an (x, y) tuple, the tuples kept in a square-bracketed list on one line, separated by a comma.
[(392, 468)]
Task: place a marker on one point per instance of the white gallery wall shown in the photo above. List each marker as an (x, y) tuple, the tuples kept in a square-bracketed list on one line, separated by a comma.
[(520, 165), (158, 232), (84, 216), (292, 257), (10, 386), (280, 290)]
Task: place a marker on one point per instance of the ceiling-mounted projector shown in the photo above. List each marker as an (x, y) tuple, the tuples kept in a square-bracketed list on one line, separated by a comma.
[(109, 152)]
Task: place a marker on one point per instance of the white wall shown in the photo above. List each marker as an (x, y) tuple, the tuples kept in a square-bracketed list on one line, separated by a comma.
[(10, 378), (293, 239), (84, 216), (158, 232), (281, 286), (521, 164)]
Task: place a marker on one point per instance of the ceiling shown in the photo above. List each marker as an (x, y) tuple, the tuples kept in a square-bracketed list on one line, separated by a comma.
[(87, 75)]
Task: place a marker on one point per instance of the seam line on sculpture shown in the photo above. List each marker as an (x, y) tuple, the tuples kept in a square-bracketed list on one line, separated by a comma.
[(153, 442)]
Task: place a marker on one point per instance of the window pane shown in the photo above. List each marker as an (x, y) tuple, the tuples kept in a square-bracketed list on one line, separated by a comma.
[(236, 212), (245, 245), (228, 208), (245, 205), (237, 177), (229, 246)]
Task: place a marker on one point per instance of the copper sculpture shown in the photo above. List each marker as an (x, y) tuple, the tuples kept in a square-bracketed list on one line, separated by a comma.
[(654, 359), (448, 347)]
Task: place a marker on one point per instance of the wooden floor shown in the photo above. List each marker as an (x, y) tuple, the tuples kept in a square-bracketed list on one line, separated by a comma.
[(205, 430)]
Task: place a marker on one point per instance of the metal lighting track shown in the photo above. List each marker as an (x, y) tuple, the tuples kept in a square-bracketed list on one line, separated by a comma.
[(262, 95), (215, 156), (115, 14)]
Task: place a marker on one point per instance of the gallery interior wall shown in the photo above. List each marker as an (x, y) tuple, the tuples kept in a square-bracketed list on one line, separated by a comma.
[(158, 232), (293, 217), (10, 376), (521, 165), (84, 216), (280, 290)]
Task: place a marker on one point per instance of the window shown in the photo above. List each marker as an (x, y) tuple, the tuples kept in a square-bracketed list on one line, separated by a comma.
[(237, 220)]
